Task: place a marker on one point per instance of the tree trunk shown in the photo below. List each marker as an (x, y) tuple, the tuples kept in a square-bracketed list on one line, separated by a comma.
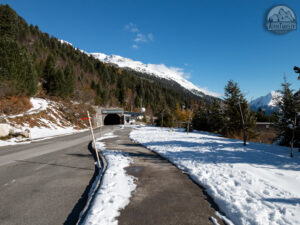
[(243, 124), (293, 137), (162, 119)]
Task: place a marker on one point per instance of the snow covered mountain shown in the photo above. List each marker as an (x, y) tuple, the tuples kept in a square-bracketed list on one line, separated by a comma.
[(158, 70), (161, 71), (269, 103)]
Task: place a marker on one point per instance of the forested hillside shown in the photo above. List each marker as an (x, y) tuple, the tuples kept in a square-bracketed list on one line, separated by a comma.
[(34, 63)]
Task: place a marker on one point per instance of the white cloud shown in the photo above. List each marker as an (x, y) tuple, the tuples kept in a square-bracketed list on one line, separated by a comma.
[(132, 28), (139, 36), (143, 38)]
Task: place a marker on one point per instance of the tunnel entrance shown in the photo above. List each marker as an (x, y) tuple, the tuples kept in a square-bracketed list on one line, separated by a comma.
[(112, 119)]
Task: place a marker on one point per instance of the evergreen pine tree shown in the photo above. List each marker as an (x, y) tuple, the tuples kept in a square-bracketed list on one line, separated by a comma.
[(202, 118), (216, 117), (237, 115), (287, 113)]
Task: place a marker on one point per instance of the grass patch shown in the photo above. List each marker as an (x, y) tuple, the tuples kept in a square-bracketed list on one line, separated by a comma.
[(14, 105)]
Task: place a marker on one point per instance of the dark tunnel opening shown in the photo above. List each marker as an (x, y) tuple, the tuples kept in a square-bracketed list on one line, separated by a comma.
[(112, 119)]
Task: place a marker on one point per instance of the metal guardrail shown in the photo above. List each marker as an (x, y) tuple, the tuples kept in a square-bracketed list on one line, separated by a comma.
[(96, 184)]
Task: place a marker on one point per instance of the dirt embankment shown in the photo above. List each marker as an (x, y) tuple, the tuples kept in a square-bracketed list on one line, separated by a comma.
[(19, 111)]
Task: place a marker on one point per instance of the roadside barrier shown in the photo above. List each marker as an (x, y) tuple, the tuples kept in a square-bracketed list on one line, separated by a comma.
[(96, 184), (100, 168)]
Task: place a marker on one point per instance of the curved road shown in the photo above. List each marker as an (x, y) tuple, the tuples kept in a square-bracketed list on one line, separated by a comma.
[(46, 182)]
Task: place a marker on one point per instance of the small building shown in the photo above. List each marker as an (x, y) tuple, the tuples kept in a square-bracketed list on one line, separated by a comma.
[(132, 117), (265, 125)]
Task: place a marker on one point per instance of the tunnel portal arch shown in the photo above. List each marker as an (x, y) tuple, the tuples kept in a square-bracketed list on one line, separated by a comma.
[(112, 119)]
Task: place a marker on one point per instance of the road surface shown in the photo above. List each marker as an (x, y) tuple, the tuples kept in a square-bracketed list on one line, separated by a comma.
[(46, 182)]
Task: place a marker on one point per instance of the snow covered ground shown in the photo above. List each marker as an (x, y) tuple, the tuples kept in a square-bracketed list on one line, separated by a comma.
[(256, 184), (115, 190)]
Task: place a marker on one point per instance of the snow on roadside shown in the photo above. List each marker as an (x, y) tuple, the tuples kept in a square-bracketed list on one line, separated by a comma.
[(41, 133), (48, 128), (256, 184), (116, 188)]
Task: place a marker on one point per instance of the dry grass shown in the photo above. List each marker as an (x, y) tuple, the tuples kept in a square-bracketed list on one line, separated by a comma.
[(267, 135), (73, 112), (14, 105), (263, 135)]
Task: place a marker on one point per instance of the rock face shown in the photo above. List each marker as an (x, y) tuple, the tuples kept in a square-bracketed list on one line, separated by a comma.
[(4, 130), (26, 133)]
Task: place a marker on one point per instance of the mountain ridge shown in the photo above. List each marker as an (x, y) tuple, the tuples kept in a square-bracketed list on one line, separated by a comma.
[(158, 70)]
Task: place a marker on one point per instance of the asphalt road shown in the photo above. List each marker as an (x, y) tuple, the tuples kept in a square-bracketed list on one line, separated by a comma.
[(46, 182)]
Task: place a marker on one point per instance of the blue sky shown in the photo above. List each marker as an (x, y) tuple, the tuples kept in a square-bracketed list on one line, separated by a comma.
[(211, 40)]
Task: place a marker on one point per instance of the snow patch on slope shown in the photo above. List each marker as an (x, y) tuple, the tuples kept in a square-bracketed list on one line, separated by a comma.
[(38, 105)]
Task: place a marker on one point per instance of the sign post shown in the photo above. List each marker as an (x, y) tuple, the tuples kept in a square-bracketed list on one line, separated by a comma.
[(101, 125), (94, 142)]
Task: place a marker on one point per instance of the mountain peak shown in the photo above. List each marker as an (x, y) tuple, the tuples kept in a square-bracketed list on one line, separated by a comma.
[(269, 102)]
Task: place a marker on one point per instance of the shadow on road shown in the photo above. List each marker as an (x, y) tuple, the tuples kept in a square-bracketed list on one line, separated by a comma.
[(78, 208)]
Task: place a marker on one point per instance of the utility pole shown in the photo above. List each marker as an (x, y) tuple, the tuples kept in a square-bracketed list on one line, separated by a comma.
[(94, 142), (101, 124), (243, 124), (162, 118), (188, 123)]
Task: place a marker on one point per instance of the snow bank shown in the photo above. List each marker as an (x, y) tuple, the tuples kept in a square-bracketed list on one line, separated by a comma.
[(41, 133), (115, 190), (256, 184)]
